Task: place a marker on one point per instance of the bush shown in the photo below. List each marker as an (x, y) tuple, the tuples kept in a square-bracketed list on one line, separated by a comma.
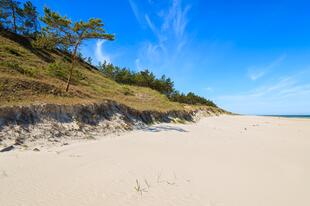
[(60, 70), (190, 98), (44, 42), (127, 91)]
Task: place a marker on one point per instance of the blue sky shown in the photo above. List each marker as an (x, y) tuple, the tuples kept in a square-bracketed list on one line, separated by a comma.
[(250, 57)]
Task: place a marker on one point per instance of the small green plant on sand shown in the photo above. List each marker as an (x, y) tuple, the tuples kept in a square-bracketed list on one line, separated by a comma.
[(138, 188)]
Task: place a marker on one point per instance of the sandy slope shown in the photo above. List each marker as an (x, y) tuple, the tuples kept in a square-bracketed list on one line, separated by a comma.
[(220, 161)]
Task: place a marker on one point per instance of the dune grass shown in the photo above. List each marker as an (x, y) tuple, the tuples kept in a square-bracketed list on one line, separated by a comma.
[(31, 76)]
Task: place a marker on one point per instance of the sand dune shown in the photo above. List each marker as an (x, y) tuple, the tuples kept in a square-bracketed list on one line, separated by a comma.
[(220, 161)]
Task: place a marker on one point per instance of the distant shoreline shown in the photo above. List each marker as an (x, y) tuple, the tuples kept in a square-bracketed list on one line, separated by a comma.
[(288, 116)]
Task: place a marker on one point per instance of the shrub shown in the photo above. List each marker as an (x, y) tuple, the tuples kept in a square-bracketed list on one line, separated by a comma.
[(190, 98), (60, 70), (127, 91), (30, 71), (15, 66)]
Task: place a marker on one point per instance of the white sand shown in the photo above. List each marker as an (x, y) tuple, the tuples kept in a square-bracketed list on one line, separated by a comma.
[(215, 162)]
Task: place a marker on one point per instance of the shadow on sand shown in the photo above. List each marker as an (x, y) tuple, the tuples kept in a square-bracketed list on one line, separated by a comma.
[(161, 128)]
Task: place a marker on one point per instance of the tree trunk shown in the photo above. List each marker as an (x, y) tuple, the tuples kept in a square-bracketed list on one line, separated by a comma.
[(14, 18), (71, 68)]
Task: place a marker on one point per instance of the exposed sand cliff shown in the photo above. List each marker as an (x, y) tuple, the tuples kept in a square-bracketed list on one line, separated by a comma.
[(30, 126)]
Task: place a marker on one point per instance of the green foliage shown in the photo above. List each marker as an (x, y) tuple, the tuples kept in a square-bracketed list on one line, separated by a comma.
[(64, 34), (58, 69), (80, 56), (30, 19), (61, 32), (89, 60), (10, 11), (30, 71), (147, 79), (66, 58), (190, 98), (45, 41), (17, 19), (143, 78), (56, 32), (4, 13), (16, 67), (13, 65), (127, 91), (92, 29)]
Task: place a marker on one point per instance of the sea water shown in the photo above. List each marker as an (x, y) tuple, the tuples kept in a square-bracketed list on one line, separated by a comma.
[(290, 116)]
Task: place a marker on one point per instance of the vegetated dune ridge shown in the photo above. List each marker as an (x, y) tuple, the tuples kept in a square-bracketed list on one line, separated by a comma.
[(35, 107), (30, 75), (224, 161)]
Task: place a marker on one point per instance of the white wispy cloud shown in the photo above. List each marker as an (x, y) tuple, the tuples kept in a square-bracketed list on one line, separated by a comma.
[(168, 26), (176, 18), (100, 55), (153, 28), (264, 91), (295, 90), (138, 65), (136, 11), (209, 89), (256, 72), (289, 94)]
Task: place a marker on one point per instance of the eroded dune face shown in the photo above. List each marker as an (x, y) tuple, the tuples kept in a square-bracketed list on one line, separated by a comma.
[(27, 125), (226, 160)]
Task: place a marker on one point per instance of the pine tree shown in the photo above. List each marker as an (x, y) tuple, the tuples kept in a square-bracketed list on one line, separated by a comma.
[(56, 32), (30, 19), (71, 35), (10, 14), (4, 13)]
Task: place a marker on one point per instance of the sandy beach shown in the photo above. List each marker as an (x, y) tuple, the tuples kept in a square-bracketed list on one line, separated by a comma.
[(219, 161)]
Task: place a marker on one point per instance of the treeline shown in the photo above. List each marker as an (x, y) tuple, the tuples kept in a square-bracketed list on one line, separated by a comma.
[(19, 18), (147, 79), (59, 32), (191, 98)]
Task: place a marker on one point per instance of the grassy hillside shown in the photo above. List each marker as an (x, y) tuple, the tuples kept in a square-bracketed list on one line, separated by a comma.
[(29, 75)]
